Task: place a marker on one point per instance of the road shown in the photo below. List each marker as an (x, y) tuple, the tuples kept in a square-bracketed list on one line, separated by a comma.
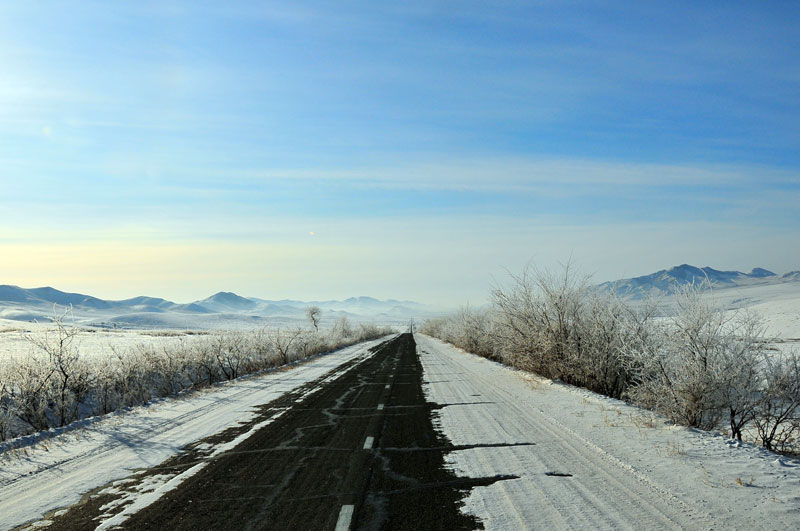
[(418, 435), (353, 451), (566, 481)]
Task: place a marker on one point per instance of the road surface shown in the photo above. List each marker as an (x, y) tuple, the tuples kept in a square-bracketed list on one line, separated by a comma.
[(418, 435), (358, 451)]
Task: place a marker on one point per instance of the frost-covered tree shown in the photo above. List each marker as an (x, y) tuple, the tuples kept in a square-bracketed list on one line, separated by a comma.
[(342, 329), (539, 320), (283, 341), (704, 366), (67, 373), (314, 314), (53, 386), (777, 418), (8, 411)]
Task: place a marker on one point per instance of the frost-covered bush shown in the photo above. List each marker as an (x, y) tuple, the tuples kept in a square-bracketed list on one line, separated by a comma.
[(56, 382), (777, 417), (29, 390), (342, 329), (610, 329), (470, 329), (700, 366), (706, 366), (54, 385), (7, 405), (474, 330), (552, 324)]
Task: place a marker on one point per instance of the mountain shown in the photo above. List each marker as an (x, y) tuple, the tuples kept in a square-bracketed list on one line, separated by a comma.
[(667, 280), (791, 275), (226, 301), (45, 298), (221, 310), (49, 296), (147, 302), (15, 294)]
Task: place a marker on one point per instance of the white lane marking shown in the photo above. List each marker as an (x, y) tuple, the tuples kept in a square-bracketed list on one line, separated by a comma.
[(368, 443), (345, 515), (380, 407)]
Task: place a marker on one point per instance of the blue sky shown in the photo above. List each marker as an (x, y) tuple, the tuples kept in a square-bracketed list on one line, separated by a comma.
[(181, 148)]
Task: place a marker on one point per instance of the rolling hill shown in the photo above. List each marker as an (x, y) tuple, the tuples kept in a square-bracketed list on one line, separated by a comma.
[(223, 309), (666, 281)]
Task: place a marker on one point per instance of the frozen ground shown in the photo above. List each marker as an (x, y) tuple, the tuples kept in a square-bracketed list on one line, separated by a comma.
[(589, 462), (779, 304), (55, 471), (91, 342)]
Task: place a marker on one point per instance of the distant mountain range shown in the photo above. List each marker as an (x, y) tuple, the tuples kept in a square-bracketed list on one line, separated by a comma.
[(218, 310), (666, 281), (229, 310)]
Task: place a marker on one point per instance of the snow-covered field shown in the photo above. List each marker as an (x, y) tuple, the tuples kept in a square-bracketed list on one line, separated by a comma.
[(590, 462), (779, 304), (90, 342), (57, 470), (628, 468)]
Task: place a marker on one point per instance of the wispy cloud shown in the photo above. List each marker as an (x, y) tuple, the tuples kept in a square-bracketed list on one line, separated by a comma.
[(504, 130)]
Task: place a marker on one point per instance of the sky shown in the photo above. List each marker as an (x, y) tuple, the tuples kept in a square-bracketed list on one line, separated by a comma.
[(417, 150)]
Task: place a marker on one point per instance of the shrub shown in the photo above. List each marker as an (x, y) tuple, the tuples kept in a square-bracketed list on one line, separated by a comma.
[(54, 385), (776, 417), (699, 365)]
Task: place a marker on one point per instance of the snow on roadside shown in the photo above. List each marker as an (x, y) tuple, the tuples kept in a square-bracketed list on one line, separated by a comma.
[(624, 460), (150, 492), (57, 471)]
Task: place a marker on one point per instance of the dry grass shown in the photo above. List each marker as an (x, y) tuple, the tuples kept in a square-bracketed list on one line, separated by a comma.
[(671, 449), (10, 329), (644, 421)]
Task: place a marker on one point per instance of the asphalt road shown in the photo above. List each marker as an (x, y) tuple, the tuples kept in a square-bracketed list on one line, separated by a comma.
[(356, 449)]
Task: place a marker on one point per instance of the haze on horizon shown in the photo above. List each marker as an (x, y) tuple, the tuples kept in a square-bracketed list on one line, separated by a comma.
[(417, 150)]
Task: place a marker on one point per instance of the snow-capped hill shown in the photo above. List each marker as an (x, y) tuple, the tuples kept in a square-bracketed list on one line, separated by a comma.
[(15, 294), (361, 303), (55, 296), (223, 309), (147, 302), (667, 281), (192, 307), (390, 308), (361, 300), (226, 301), (759, 272), (44, 297)]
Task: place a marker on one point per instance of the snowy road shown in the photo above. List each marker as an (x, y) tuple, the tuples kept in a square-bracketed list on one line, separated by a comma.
[(594, 463), (353, 449), (58, 471), (403, 435)]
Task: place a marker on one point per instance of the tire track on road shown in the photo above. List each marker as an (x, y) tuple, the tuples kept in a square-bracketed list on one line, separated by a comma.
[(603, 492)]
